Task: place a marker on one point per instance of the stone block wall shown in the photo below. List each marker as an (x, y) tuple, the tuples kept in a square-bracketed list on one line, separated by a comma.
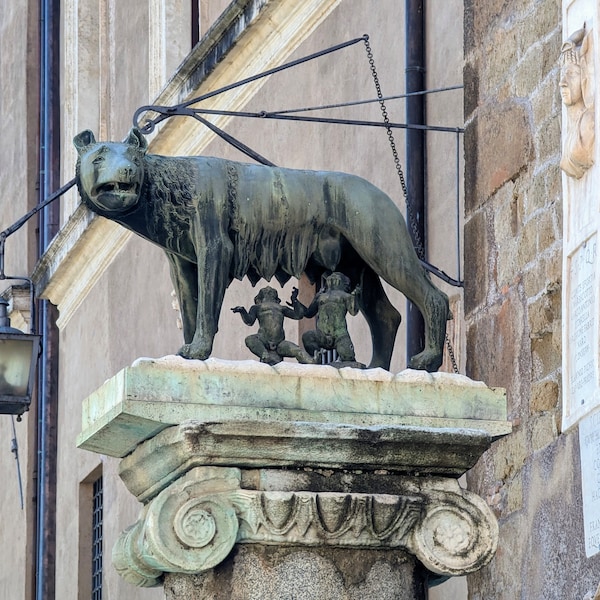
[(513, 264)]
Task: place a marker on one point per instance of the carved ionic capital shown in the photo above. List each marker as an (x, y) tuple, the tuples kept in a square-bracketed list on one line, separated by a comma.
[(327, 519), (193, 524)]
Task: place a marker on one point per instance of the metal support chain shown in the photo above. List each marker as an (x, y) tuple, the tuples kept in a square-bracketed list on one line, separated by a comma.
[(451, 354), (419, 247)]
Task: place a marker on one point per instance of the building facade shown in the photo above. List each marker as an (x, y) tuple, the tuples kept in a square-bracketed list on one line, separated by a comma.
[(112, 291)]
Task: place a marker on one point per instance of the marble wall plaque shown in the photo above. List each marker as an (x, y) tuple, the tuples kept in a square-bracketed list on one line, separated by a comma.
[(589, 445), (582, 326)]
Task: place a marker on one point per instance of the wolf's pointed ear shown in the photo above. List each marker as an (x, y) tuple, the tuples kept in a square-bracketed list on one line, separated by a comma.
[(83, 140), (137, 138)]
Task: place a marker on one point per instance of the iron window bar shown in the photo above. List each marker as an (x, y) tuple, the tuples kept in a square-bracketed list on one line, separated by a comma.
[(97, 537)]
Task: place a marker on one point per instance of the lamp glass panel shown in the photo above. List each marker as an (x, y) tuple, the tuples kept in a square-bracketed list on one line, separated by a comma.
[(15, 365)]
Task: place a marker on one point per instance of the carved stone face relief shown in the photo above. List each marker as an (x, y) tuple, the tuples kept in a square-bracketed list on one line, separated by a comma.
[(576, 90), (570, 84)]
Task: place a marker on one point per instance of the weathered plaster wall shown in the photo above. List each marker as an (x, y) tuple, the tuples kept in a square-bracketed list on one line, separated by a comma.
[(513, 256), (20, 123), (122, 320)]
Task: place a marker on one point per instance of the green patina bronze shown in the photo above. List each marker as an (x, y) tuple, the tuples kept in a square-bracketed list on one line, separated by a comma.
[(218, 220)]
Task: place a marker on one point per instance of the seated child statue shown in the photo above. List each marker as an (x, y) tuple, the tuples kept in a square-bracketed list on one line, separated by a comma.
[(332, 303), (269, 344)]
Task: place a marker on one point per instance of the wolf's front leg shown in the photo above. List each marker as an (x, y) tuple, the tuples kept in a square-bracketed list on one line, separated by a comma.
[(184, 276), (213, 279)]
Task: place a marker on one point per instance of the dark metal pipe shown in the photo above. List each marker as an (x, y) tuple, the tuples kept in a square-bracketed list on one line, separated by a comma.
[(195, 22), (415, 156), (47, 410)]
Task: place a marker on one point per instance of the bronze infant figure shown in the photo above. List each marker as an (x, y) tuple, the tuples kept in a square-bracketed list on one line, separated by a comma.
[(269, 344)]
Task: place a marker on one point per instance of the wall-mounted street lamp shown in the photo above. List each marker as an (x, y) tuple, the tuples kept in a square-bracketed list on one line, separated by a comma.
[(18, 357)]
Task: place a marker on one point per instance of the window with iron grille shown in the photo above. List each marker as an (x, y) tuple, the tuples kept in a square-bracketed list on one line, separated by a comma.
[(97, 523)]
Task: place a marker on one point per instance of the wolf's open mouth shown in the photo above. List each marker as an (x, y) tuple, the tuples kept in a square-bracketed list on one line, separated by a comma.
[(116, 187)]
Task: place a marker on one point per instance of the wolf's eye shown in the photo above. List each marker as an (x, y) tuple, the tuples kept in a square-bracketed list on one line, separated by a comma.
[(98, 159)]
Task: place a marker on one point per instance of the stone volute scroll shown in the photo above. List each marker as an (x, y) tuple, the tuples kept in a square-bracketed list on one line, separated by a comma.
[(577, 83), (193, 525)]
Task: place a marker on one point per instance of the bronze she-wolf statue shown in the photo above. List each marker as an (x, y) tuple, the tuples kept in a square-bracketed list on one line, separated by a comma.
[(217, 219)]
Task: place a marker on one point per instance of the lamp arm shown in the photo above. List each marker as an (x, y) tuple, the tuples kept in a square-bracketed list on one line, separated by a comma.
[(20, 222)]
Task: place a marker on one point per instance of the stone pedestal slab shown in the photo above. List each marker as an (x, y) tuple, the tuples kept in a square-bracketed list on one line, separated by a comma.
[(153, 394), (255, 478)]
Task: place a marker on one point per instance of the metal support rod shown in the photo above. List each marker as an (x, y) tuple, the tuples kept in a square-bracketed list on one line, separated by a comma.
[(151, 123), (369, 101), (36, 209), (14, 448), (15, 227), (415, 156), (194, 112), (458, 205), (235, 142)]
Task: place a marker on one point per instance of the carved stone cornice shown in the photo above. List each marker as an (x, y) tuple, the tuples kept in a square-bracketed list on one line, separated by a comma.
[(252, 444), (19, 306), (193, 524), (76, 259)]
